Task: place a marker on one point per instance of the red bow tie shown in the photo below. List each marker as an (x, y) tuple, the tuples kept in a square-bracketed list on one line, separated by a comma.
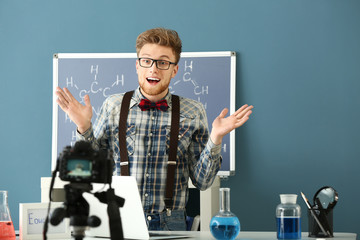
[(145, 104)]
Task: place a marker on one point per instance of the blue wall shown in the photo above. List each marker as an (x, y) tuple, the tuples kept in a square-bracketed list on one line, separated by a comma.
[(298, 64)]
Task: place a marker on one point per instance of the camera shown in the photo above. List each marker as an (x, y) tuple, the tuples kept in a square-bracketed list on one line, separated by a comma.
[(83, 164)]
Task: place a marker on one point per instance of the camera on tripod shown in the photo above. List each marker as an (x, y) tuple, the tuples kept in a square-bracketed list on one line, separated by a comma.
[(82, 165)]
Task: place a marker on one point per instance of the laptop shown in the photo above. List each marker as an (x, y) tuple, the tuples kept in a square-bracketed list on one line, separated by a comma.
[(132, 214)]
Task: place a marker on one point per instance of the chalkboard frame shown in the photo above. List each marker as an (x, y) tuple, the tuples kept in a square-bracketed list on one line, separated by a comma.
[(231, 91)]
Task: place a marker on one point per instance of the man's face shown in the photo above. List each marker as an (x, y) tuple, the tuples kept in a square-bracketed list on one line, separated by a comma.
[(154, 82)]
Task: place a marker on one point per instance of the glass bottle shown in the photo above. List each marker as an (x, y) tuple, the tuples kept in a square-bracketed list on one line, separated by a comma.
[(225, 224), (7, 231), (288, 217)]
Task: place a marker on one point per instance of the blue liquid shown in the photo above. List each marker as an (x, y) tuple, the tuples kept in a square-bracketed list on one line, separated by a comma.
[(224, 227), (288, 228)]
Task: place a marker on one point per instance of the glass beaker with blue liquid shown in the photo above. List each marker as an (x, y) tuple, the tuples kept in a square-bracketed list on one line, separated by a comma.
[(288, 217), (225, 225)]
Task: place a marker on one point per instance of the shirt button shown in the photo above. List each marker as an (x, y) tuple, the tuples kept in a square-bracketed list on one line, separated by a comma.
[(152, 118), (146, 195), (150, 134), (149, 218), (147, 175), (149, 154)]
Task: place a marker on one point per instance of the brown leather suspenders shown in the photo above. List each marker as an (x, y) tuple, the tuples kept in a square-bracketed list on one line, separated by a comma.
[(124, 164), (174, 137), (174, 132)]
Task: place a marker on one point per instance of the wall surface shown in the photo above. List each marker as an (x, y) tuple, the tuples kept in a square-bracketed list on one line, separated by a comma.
[(297, 63)]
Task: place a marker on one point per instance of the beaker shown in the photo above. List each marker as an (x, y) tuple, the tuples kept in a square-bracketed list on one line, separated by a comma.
[(7, 231)]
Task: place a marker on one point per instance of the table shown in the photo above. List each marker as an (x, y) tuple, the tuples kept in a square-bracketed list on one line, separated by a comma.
[(264, 235), (206, 235)]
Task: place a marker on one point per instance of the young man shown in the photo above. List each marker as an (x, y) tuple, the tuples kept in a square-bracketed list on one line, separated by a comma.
[(148, 132)]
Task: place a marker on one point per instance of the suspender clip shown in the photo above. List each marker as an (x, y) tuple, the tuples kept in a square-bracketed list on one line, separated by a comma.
[(168, 212)]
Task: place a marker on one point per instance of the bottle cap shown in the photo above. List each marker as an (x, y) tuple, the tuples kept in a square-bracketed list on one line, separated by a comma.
[(288, 198)]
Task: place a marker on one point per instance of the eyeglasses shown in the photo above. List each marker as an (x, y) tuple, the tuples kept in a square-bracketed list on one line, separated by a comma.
[(160, 64)]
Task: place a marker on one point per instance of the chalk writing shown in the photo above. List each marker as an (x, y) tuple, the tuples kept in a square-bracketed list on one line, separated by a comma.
[(224, 147), (187, 78), (94, 87)]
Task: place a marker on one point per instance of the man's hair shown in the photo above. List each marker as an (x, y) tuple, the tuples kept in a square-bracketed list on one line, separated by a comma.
[(162, 37)]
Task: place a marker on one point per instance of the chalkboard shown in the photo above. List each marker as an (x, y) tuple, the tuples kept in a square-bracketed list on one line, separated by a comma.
[(208, 77)]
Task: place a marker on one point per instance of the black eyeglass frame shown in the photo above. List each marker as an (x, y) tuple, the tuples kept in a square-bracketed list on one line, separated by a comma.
[(156, 63)]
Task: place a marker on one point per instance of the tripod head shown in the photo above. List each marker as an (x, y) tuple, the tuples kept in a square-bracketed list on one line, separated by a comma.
[(77, 209)]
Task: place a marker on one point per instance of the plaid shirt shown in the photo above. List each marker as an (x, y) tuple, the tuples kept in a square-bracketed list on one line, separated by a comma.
[(148, 137)]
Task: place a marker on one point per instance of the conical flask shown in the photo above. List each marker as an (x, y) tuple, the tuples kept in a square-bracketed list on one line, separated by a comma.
[(7, 231), (225, 225)]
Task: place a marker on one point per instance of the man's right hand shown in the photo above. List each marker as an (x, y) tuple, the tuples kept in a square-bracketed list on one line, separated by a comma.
[(80, 114)]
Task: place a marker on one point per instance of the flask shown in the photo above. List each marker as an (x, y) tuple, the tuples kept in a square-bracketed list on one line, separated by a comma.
[(288, 217), (225, 224), (7, 231)]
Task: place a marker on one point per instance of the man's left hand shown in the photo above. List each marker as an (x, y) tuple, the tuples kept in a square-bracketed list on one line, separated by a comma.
[(222, 126)]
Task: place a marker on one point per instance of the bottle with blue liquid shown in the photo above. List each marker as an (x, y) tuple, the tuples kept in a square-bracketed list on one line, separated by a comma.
[(225, 225), (288, 217)]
